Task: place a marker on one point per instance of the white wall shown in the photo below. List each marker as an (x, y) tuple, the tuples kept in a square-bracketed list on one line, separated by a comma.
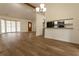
[(24, 25), (39, 24), (34, 25), (64, 11), (0, 28)]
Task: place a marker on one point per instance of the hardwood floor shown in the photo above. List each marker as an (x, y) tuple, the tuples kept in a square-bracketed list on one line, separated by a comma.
[(27, 44)]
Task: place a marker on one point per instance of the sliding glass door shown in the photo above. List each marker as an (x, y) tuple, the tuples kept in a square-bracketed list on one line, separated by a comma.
[(13, 26), (2, 26), (18, 26), (10, 26)]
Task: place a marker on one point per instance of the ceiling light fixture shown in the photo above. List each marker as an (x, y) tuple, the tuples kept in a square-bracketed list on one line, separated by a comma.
[(41, 9)]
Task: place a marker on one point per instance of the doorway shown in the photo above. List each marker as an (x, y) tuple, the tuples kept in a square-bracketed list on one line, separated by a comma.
[(29, 26)]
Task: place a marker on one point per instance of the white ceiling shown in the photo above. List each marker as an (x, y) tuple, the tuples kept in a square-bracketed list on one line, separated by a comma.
[(22, 11)]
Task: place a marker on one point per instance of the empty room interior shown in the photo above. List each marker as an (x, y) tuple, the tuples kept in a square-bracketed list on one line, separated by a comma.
[(39, 29)]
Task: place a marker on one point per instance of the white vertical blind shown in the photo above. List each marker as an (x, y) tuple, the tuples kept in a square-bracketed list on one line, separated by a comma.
[(18, 26), (13, 26), (2, 26), (9, 26)]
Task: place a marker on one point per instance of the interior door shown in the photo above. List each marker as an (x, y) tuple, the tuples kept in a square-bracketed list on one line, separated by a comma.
[(29, 26)]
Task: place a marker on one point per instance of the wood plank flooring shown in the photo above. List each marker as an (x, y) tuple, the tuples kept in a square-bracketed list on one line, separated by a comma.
[(27, 44)]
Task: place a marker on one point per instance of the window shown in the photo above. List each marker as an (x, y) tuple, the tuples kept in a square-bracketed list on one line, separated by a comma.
[(2, 26), (10, 26), (13, 26), (18, 26)]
